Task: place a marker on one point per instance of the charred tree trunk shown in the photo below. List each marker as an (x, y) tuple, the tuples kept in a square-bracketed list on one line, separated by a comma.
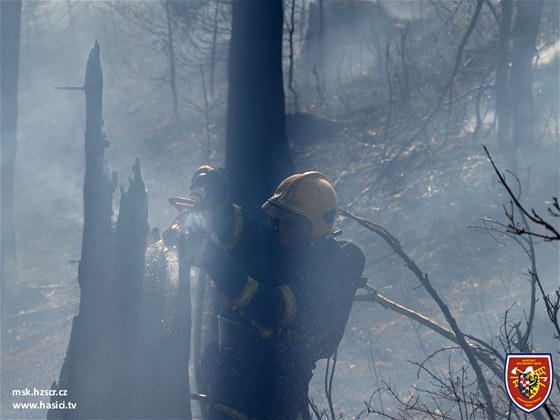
[(104, 373), (257, 153), (82, 373), (124, 311), (160, 345), (10, 12)]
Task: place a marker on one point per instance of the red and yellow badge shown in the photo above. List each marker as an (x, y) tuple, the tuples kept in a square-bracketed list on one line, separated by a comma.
[(528, 378)]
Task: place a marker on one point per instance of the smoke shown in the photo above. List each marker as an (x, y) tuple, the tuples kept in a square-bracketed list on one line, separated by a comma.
[(428, 201)]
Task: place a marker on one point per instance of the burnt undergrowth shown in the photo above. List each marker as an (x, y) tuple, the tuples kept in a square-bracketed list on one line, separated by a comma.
[(399, 157)]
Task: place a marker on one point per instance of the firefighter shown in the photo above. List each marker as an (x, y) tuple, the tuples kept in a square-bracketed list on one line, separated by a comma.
[(289, 287)]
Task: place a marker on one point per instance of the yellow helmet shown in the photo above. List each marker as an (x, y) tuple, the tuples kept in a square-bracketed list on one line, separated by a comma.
[(309, 195)]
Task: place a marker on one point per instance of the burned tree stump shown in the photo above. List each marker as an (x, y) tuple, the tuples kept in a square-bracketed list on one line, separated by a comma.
[(82, 374), (104, 373)]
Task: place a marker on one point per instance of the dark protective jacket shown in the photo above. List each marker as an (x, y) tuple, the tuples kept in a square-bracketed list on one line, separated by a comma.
[(288, 308)]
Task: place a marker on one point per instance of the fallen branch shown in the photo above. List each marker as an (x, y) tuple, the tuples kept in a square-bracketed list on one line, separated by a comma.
[(484, 355), (424, 280)]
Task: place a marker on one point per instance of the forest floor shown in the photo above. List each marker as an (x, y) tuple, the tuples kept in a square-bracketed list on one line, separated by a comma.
[(431, 205)]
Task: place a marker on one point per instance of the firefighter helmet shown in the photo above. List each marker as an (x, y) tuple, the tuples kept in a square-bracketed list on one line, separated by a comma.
[(209, 185), (309, 195)]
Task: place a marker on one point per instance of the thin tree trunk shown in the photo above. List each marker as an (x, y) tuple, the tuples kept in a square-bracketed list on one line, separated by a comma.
[(321, 46), (10, 44), (503, 96), (291, 31), (214, 48), (172, 72), (525, 32)]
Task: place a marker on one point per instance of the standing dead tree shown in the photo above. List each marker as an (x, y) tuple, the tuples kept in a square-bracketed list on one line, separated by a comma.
[(82, 373), (101, 373)]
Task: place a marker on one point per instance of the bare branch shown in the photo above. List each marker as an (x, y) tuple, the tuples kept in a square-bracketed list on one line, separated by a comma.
[(424, 280), (329, 377), (448, 88), (492, 359), (533, 216)]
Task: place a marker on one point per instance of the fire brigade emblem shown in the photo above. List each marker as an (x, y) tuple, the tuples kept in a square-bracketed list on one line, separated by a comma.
[(528, 378)]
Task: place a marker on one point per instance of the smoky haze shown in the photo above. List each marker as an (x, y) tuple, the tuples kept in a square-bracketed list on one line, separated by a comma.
[(361, 97)]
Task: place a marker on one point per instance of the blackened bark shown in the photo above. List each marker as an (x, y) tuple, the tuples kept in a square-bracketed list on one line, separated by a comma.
[(98, 371), (82, 373), (104, 372), (257, 153), (10, 12), (95, 268), (130, 249)]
